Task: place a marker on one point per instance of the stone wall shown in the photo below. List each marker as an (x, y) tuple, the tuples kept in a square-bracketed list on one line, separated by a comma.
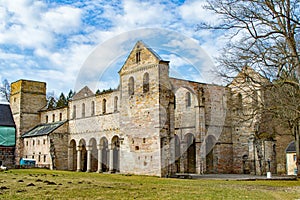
[(7, 156)]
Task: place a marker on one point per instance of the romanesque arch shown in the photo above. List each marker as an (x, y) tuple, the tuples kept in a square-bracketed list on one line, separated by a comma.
[(83, 156), (177, 153), (190, 153), (115, 145), (210, 142), (104, 154), (94, 155), (72, 155)]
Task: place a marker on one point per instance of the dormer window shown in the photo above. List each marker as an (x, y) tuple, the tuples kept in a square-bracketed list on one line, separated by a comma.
[(138, 57)]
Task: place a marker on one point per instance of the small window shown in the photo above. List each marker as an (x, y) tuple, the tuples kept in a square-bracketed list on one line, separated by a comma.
[(33, 142), (39, 158), (131, 86), (174, 102), (26, 143), (32, 156), (74, 112), (146, 83), (295, 158), (60, 116), (116, 104), (92, 108), (45, 158), (138, 57), (47, 119), (240, 101), (188, 99), (144, 140), (104, 106), (38, 142), (44, 141), (53, 118), (83, 110)]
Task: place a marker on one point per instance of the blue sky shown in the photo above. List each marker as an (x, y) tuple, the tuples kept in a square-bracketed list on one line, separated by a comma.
[(55, 41)]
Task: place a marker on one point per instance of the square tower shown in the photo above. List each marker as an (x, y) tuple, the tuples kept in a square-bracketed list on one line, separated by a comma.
[(26, 99)]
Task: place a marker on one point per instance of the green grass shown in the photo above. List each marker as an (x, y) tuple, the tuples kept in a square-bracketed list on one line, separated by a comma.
[(46, 184)]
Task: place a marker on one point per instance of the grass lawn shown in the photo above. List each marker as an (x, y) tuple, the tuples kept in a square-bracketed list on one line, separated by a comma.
[(46, 184)]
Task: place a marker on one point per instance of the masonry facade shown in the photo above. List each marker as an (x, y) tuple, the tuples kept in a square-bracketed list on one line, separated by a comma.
[(152, 125)]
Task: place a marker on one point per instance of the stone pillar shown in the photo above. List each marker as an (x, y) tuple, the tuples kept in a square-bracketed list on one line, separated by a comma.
[(198, 158), (99, 158), (89, 158), (70, 158), (111, 159), (79, 149), (172, 156), (183, 157)]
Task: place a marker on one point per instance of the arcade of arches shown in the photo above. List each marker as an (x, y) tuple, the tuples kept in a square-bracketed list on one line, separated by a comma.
[(93, 157)]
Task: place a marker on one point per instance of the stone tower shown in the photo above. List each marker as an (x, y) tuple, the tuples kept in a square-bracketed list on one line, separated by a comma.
[(26, 99), (143, 78)]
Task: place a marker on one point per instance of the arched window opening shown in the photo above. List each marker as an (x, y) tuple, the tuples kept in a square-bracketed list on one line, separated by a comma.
[(46, 118), (138, 57), (188, 99), (60, 116), (240, 102), (83, 110), (92, 108), (146, 83), (116, 104), (131, 86), (104, 106), (53, 118), (74, 112)]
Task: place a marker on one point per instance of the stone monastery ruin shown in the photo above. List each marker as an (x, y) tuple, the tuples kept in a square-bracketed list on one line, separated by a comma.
[(152, 125)]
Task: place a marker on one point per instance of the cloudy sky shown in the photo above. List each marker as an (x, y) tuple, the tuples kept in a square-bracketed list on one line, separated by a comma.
[(72, 43)]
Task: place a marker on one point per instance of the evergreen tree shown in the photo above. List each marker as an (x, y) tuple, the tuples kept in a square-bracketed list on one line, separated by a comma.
[(51, 103), (62, 101), (70, 95)]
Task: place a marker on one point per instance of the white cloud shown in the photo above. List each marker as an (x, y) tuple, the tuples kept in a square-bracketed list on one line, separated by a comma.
[(54, 39), (193, 12), (64, 19)]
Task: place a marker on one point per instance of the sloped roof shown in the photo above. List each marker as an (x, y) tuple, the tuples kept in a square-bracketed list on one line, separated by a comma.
[(6, 117), (84, 92), (291, 148), (43, 129), (151, 57)]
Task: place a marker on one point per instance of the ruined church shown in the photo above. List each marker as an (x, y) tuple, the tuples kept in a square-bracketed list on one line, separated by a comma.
[(152, 124)]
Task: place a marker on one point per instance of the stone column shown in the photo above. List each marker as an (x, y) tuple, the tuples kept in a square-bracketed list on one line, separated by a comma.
[(183, 156), (79, 149), (172, 156), (89, 158), (198, 158), (111, 159), (99, 158), (70, 158)]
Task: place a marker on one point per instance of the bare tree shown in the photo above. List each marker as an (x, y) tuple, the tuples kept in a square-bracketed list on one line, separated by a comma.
[(263, 34), (5, 90)]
